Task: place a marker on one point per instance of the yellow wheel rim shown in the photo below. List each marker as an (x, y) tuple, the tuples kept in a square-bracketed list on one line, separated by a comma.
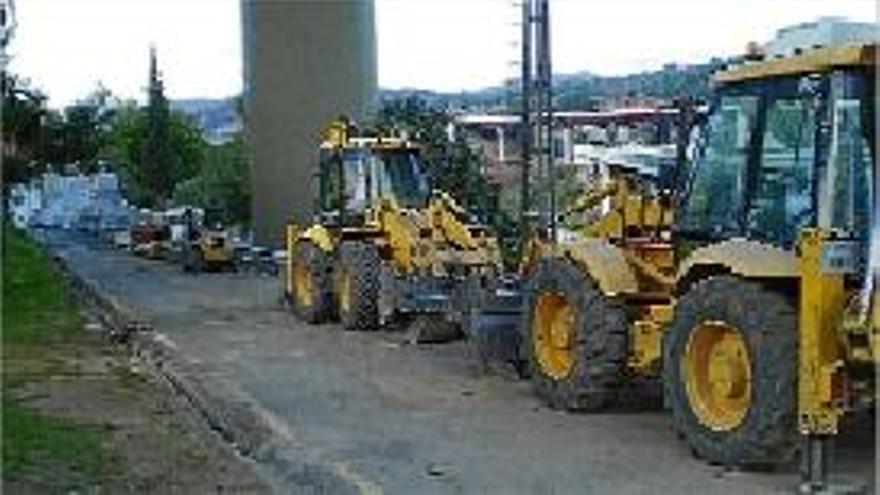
[(302, 282), (553, 335), (717, 373), (343, 289)]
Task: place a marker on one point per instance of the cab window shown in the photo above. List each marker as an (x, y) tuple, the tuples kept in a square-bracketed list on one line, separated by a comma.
[(354, 172), (718, 182), (783, 199), (851, 175)]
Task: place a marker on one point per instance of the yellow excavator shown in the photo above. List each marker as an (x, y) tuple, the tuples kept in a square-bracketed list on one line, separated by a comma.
[(750, 291), (383, 247)]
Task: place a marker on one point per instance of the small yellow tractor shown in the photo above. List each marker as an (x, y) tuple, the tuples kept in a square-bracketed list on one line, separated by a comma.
[(383, 247), (206, 245), (755, 303)]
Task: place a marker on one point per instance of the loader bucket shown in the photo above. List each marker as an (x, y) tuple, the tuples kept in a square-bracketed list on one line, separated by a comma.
[(494, 326), (433, 329)]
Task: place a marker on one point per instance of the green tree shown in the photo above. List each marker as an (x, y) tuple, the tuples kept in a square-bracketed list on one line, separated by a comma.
[(125, 144), (35, 136), (157, 147), (24, 113), (84, 130), (156, 164), (122, 147), (222, 185), (81, 136)]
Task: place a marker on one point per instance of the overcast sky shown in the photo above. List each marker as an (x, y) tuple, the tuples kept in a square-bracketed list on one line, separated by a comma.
[(67, 46)]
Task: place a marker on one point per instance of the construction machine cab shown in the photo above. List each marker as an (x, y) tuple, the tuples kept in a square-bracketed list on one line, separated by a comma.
[(356, 172), (787, 151)]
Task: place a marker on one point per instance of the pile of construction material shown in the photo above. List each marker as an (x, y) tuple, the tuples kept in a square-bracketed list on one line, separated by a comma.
[(84, 202)]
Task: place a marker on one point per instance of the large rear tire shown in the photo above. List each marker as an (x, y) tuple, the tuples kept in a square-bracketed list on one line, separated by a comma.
[(312, 289), (357, 285), (574, 338), (730, 372)]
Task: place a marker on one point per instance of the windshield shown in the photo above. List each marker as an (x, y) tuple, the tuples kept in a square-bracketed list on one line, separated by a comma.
[(719, 177), (402, 178), (757, 173), (342, 180), (355, 179), (783, 199)]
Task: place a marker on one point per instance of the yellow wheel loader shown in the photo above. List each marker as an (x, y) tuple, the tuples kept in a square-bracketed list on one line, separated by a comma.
[(755, 303), (205, 244), (210, 250), (383, 247)]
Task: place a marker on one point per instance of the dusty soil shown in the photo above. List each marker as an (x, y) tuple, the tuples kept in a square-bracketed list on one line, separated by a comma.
[(154, 441)]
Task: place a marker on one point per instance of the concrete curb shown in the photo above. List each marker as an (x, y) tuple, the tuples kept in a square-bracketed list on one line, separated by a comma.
[(282, 461)]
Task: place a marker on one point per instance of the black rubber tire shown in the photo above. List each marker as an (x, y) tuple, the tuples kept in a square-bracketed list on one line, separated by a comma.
[(193, 261), (361, 260), (319, 266), (768, 320), (600, 341)]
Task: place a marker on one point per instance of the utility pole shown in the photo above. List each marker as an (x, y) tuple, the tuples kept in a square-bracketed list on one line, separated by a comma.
[(544, 120), (526, 124), (537, 118)]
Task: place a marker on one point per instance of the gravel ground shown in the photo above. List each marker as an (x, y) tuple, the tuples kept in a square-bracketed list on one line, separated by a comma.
[(368, 413)]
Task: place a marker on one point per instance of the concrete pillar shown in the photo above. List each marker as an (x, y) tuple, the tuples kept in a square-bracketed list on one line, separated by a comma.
[(305, 63)]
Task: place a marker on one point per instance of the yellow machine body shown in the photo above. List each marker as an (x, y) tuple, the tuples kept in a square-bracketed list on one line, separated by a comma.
[(425, 238), (215, 247), (632, 208), (623, 246), (318, 235), (627, 249), (412, 238)]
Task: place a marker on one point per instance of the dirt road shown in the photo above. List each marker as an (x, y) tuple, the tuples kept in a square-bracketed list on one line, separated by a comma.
[(353, 412)]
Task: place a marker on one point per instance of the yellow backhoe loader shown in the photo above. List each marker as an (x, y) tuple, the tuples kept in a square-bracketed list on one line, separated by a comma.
[(755, 303), (383, 247)]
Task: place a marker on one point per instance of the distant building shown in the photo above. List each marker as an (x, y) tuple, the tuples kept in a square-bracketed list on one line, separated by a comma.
[(305, 63), (826, 31), (497, 136), (91, 202)]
